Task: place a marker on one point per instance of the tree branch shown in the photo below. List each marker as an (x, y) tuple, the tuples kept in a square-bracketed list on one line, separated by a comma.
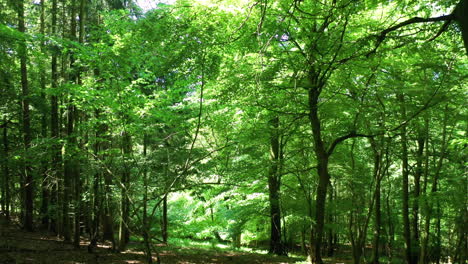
[(381, 37), (352, 134)]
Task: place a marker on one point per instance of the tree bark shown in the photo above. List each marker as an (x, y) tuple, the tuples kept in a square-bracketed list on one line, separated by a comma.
[(330, 244), (70, 172), (405, 185), (124, 233), (377, 213), (45, 180), (27, 170), (323, 175), (6, 172), (274, 185), (429, 207), (146, 226), (76, 165), (96, 198), (54, 125), (417, 191), (164, 220)]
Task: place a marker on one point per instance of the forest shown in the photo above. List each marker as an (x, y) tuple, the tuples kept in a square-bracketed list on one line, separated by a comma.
[(233, 131)]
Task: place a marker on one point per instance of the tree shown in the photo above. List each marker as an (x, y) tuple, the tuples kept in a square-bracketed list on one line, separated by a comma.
[(28, 183)]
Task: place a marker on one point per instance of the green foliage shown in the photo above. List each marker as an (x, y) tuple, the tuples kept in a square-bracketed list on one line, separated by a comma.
[(196, 83)]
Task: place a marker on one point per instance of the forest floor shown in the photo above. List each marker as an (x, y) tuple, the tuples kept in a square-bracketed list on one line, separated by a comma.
[(18, 247)]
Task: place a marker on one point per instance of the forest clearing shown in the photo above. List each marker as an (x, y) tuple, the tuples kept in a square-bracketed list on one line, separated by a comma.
[(234, 131)]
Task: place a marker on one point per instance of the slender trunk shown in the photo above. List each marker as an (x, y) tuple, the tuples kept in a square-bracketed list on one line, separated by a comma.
[(377, 211), (423, 257), (330, 246), (124, 234), (164, 226), (6, 172), (27, 170), (146, 225), (68, 176), (323, 175), (54, 126), (405, 185), (391, 227), (274, 182), (70, 163), (96, 198), (164, 219), (45, 179), (417, 191), (108, 225), (438, 243), (76, 166)]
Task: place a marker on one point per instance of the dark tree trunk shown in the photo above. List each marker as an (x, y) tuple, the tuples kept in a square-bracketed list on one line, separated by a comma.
[(96, 198), (377, 212), (6, 172), (164, 220), (461, 13), (391, 227), (124, 234), (28, 177), (54, 126), (323, 175), (330, 244), (417, 191), (405, 185), (68, 177), (45, 180), (70, 172), (76, 165), (146, 226), (274, 185), (429, 207), (378, 227), (108, 223)]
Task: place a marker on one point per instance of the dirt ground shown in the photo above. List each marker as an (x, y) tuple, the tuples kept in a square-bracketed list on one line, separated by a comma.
[(18, 247)]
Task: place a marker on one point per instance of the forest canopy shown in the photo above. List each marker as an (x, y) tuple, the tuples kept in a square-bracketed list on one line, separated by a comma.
[(317, 128)]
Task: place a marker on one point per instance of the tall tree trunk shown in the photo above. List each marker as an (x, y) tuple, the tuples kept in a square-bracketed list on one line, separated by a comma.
[(27, 171), (428, 205), (6, 172), (107, 203), (76, 166), (417, 191), (96, 197), (405, 185), (54, 126), (68, 177), (45, 180), (146, 224), (274, 185), (391, 227), (438, 243), (164, 220), (108, 223), (70, 169), (124, 234), (377, 212), (323, 175), (330, 246)]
